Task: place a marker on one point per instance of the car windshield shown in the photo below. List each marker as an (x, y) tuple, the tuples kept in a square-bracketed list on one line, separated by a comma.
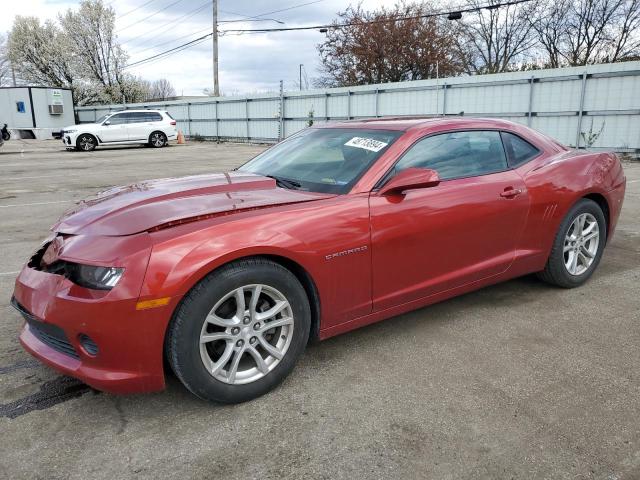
[(103, 118), (326, 160)]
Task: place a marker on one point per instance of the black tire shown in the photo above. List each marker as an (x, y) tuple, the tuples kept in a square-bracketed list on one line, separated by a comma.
[(86, 143), (6, 136), (555, 271), (182, 345), (157, 140)]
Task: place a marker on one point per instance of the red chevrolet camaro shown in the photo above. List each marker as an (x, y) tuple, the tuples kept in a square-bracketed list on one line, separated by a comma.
[(228, 276)]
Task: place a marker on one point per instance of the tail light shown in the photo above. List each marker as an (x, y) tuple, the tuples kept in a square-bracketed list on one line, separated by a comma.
[(173, 122)]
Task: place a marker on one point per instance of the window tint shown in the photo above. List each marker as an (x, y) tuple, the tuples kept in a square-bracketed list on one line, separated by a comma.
[(118, 119), (457, 154), (153, 117), (520, 151)]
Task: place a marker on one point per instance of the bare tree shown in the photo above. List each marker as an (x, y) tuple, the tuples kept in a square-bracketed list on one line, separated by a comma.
[(376, 48), (161, 90), (496, 38), (588, 31)]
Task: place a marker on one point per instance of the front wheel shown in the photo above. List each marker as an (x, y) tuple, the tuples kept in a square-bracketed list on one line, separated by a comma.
[(6, 136), (578, 246), (157, 139), (86, 142), (239, 332)]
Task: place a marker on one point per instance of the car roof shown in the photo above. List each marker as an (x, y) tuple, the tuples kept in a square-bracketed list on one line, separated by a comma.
[(135, 110), (404, 123)]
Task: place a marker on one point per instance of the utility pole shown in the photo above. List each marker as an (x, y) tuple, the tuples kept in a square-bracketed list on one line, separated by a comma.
[(216, 86)]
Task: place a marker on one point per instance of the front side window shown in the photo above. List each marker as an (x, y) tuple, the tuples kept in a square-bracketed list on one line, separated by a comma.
[(326, 160), (457, 154), (520, 151), (118, 119)]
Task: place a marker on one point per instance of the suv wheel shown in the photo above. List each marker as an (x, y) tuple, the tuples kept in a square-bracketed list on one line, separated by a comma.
[(86, 142), (157, 139)]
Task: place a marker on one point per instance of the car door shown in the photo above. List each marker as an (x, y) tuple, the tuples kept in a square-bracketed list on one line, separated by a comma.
[(466, 228), (140, 126), (114, 128)]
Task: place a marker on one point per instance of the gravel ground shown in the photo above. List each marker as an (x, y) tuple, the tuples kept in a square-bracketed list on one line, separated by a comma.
[(519, 380)]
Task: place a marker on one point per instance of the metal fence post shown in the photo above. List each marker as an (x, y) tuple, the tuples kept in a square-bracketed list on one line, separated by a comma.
[(189, 118), (530, 101), (444, 99), (246, 114), (281, 113), (326, 107), (377, 103), (348, 104), (215, 104), (582, 90)]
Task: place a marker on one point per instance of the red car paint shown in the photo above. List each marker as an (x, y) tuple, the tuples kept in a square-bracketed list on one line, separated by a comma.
[(367, 256)]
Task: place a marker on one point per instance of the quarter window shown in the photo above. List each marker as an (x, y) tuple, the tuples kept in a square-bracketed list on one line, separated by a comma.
[(457, 154), (520, 151)]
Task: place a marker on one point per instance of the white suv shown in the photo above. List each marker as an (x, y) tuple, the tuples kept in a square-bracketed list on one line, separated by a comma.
[(148, 127)]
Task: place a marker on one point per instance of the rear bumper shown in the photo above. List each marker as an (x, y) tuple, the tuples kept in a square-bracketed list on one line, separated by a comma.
[(129, 342)]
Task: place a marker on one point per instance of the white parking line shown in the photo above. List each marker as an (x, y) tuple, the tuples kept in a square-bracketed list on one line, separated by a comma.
[(41, 176), (37, 203), (9, 273)]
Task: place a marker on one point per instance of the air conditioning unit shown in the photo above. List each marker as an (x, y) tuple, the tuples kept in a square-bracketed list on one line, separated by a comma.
[(56, 109)]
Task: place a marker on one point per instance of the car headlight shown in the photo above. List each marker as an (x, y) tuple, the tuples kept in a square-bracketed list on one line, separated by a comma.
[(99, 278), (90, 276), (70, 131)]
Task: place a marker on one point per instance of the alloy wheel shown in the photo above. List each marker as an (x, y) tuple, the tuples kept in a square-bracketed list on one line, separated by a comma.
[(86, 143), (246, 334), (581, 244), (157, 139)]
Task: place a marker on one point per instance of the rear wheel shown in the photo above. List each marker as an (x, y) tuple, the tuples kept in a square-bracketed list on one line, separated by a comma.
[(578, 246), (157, 139), (86, 142), (240, 331)]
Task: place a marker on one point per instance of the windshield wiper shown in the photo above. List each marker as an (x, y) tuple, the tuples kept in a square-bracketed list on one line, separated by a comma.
[(285, 182)]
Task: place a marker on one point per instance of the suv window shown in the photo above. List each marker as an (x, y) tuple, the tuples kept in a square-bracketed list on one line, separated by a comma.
[(519, 151), (457, 154), (117, 119), (153, 117)]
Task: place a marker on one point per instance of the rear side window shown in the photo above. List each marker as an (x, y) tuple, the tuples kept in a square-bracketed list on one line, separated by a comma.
[(457, 154), (153, 117), (518, 150), (136, 117)]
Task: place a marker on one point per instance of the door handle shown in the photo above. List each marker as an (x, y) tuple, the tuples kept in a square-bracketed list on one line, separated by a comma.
[(510, 192)]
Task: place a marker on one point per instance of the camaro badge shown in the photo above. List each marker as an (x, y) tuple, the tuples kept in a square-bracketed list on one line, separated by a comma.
[(364, 248)]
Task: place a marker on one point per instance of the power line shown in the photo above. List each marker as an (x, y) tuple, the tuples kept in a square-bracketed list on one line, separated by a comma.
[(159, 28), (316, 27), (135, 9), (172, 50), (171, 41), (148, 17), (388, 20), (274, 11)]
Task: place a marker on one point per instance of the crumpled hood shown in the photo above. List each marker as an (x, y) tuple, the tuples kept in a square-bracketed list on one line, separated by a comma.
[(141, 206)]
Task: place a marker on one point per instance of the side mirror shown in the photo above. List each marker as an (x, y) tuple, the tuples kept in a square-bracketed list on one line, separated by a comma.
[(106, 122), (410, 179)]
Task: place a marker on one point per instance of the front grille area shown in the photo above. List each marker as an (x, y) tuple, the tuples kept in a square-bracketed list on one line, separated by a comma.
[(51, 335)]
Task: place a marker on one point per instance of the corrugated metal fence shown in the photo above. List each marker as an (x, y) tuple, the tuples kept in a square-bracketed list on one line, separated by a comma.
[(574, 105)]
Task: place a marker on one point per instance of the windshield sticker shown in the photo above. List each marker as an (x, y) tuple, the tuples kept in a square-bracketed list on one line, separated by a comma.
[(366, 143)]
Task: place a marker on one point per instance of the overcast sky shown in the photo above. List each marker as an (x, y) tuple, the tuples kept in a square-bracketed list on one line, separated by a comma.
[(248, 63)]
